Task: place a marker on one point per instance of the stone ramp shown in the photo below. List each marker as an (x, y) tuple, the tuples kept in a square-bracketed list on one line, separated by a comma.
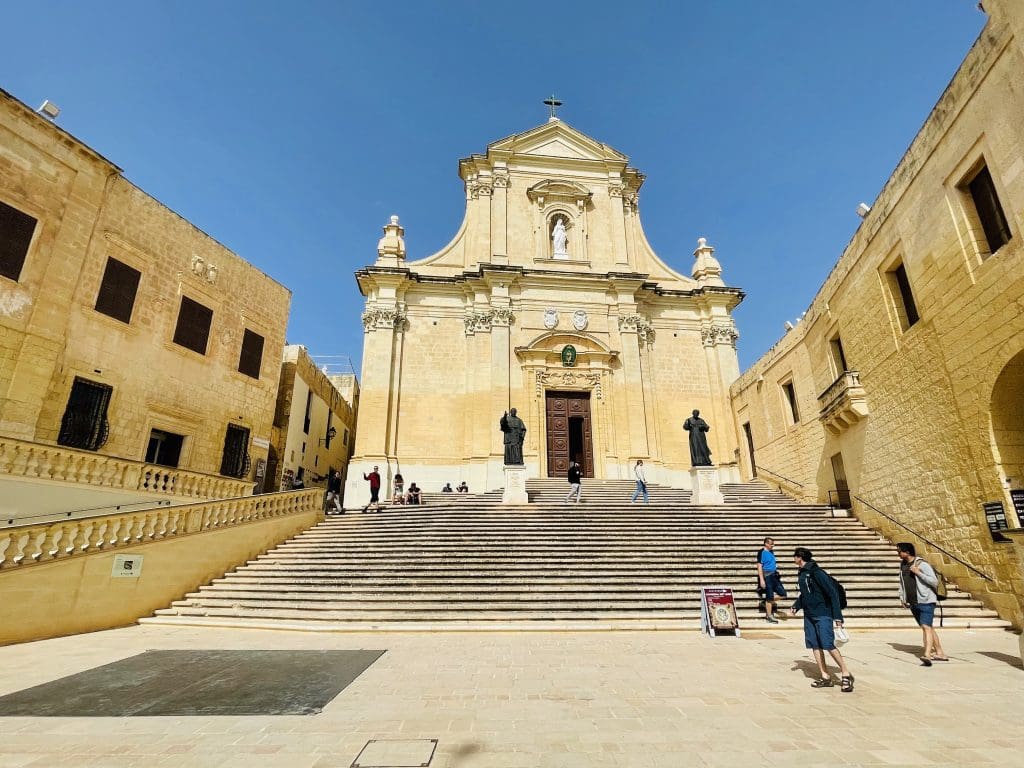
[(602, 564)]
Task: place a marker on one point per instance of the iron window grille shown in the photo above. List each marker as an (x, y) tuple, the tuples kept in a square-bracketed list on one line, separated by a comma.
[(85, 422)]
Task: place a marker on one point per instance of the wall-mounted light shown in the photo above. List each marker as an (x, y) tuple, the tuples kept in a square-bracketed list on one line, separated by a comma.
[(331, 434)]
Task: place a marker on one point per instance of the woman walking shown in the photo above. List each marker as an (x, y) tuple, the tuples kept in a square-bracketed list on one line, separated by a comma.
[(641, 482)]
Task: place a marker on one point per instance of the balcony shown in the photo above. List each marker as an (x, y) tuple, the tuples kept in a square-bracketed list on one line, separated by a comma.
[(844, 403)]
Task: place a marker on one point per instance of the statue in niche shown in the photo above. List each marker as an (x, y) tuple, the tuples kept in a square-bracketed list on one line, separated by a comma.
[(700, 454), (515, 434), (559, 240)]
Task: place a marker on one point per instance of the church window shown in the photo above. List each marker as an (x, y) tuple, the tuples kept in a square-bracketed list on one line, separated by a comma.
[(16, 230), (789, 391), (193, 328), (989, 211), (120, 284), (902, 297), (251, 357), (838, 355), (84, 424)]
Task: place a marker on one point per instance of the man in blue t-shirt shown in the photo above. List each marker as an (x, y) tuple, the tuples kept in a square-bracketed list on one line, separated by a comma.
[(768, 579)]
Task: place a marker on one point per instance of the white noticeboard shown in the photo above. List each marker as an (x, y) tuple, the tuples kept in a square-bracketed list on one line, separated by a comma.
[(127, 566)]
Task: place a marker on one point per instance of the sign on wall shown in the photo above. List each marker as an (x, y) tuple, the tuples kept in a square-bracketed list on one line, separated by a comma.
[(995, 516), (127, 566), (1017, 497)]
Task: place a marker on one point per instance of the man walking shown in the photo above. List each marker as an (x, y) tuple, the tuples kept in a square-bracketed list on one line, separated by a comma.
[(768, 579), (575, 482), (374, 478), (334, 493), (819, 600), (641, 482), (918, 581)]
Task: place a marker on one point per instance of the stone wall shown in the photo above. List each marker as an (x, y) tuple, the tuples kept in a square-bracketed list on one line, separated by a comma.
[(933, 429), (51, 333)]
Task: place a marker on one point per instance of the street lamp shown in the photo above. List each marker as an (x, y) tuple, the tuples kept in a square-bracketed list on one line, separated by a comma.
[(331, 434)]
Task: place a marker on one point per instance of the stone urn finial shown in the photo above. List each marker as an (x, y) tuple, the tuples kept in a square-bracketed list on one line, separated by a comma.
[(391, 248), (706, 269)]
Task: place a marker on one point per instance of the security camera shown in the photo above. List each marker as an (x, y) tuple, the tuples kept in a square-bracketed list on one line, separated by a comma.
[(788, 325), (863, 210)]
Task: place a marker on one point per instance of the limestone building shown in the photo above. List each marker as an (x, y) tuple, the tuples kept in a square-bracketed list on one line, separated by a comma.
[(903, 387), (124, 330), (314, 425), (550, 300)]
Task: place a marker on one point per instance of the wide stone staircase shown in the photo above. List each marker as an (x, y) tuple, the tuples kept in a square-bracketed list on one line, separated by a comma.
[(470, 563)]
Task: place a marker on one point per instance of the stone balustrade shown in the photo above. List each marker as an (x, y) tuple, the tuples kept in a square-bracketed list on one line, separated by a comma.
[(44, 542), (51, 462)]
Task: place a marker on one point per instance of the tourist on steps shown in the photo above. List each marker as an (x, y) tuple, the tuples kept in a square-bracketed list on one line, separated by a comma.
[(575, 482), (918, 581), (374, 479), (768, 579), (333, 500), (641, 482)]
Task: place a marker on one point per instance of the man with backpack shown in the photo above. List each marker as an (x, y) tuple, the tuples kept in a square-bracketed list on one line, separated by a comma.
[(918, 592), (822, 603)]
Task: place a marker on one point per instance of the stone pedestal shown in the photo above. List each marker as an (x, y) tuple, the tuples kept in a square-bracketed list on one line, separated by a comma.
[(704, 481), (515, 485)]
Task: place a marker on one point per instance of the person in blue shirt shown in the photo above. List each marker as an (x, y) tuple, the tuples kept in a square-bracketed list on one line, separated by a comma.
[(768, 579)]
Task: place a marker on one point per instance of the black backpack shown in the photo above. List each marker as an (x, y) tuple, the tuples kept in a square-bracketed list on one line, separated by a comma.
[(840, 589)]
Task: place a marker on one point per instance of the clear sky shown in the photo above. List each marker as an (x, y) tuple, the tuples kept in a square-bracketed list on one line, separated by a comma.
[(291, 131)]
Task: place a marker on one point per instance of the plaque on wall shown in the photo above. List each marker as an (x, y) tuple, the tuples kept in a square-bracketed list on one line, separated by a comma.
[(1017, 497), (569, 356), (995, 516)]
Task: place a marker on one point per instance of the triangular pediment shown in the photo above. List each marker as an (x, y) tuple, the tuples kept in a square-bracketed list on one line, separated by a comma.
[(556, 138)]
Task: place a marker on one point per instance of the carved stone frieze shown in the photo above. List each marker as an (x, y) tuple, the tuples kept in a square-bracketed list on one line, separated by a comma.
[(562, 378), (501, 317), (501, 178), (639, 325), (477, 187), (719, 333), (378, 318)]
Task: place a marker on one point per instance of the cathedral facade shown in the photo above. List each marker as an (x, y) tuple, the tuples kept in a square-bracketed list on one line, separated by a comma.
[(550, 300)]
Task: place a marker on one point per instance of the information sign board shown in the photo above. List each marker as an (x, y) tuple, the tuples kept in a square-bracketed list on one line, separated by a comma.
[(995, 516), (718, 611)]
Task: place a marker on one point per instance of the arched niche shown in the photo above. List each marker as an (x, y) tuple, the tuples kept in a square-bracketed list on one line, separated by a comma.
[(1006, 412)]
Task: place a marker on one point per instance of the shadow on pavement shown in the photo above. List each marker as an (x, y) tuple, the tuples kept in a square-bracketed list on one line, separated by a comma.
[(1013, 661)]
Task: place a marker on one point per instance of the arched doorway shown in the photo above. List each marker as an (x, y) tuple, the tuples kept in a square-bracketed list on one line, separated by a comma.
[(1007, 415)]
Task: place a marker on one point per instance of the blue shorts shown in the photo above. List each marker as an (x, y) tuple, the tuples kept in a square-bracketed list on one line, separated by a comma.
[(924, 613), (819, 633), (773, 586)]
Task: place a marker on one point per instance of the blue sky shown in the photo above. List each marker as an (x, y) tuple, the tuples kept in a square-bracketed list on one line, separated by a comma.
[(290, 132)]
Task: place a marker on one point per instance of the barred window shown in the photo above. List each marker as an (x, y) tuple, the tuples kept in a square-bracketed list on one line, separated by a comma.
[(85, 419), (16, 230), (251, 358), (235, 462), (117, 291), (193, 329)]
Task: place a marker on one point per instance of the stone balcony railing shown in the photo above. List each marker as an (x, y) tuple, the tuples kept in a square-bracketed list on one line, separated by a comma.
[(844, 403), (20, 458), (43, 542)]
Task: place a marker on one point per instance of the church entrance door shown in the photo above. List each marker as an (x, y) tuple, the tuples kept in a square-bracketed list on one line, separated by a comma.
[(569, 432)]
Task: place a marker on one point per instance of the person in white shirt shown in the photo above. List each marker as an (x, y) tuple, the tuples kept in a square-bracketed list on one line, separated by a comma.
[(641, 482)]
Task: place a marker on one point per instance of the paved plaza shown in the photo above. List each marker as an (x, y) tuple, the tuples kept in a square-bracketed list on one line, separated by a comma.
[(554, 699)]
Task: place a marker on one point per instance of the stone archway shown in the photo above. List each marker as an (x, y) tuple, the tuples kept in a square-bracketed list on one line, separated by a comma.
[(1006, 412)]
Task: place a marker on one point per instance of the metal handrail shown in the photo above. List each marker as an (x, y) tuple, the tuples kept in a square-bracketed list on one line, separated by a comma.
[(153, 503), (930, 543), (781, 477)]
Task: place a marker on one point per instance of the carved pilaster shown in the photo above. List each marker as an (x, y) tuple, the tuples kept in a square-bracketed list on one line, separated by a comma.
[(639, 325), (719, 333), (378, 318)]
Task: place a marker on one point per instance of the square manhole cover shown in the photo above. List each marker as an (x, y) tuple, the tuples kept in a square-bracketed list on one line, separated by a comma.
[(396, 753), (185, 683)]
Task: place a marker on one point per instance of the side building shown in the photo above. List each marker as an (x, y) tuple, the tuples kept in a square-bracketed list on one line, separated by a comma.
[(314, 426), (902, 390), (125, 331)]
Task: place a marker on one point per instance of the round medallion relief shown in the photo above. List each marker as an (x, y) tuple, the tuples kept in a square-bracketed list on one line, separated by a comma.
[(579, 320), (550, 318)]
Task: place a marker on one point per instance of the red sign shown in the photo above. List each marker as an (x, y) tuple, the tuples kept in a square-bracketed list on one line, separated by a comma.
[(720, 608)]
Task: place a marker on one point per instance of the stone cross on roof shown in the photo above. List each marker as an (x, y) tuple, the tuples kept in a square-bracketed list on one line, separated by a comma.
[(553, 104)]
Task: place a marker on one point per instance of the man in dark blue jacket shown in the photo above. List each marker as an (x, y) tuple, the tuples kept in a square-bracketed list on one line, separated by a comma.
[(820, 603)]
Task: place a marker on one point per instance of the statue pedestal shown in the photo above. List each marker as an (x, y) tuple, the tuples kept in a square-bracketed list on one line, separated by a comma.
[(704, 481), (515, 485)]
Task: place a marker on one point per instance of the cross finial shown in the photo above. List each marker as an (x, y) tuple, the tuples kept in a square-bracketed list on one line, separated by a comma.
[(553, 104)]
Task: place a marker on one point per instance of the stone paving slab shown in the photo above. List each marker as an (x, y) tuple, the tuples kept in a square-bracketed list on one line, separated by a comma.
[(521, 700)]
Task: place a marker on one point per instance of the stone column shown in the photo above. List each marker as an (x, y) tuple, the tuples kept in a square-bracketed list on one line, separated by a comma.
[(499, 217), (630, 328), (617, 225)]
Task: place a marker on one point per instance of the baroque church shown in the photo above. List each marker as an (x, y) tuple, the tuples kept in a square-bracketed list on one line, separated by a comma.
[(549, 299)]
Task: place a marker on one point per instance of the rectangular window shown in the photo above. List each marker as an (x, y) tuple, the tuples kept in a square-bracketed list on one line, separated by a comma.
[(327, 434), (309, 411), (117, 291), (790, 393), (835, 346), (16, 229), (251, 358), (85, 419), (235, 462), (344, 440), (990, 212), (164, 448), (902, 296), (193, 328)]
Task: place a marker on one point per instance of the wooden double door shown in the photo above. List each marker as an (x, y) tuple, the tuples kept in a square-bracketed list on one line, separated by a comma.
[(569, 432)]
